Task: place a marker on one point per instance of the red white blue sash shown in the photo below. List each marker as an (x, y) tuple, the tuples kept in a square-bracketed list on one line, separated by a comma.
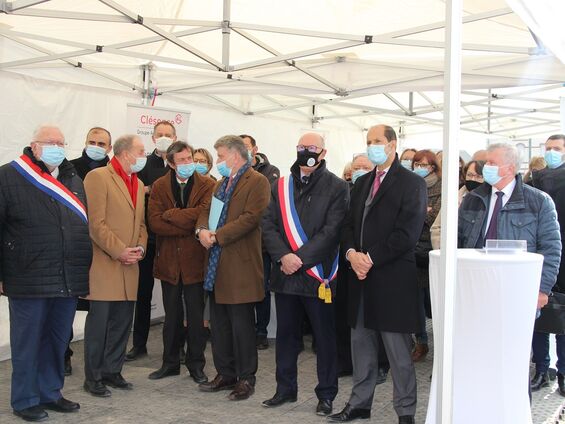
[(49, 185), (297, 237)]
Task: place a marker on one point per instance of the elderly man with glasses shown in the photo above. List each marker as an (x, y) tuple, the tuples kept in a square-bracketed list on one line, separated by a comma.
[(301, 231), (44, 263)]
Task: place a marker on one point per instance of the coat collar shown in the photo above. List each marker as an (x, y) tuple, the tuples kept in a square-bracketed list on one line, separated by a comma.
[(121, 185), (516, 200), (387, 183)]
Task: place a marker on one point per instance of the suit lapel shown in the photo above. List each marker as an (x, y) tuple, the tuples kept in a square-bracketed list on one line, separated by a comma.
[(121, 185), (386, 184), (242, 182), (196, 190)]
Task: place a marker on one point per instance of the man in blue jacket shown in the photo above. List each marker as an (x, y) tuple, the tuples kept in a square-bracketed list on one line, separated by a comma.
[(44, 264), (505, 208)]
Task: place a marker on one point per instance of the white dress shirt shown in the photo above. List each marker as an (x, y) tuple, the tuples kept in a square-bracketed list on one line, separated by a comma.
[(505, 197)]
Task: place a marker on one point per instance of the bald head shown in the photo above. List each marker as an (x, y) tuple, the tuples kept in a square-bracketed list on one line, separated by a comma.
[(312, 139), (480, 155), (362, 162)]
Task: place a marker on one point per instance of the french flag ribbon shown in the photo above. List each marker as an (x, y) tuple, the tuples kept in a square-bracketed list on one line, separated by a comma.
[(49, 185), (297, 237)]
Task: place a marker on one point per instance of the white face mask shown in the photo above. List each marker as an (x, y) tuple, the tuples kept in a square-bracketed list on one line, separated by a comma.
[(163, 143)]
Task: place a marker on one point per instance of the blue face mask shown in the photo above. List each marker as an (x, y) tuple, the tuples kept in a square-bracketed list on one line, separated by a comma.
[(357, 174), (422, 172), (95, 152), (223, 169), (139, 164), (490, 174), (201, 168), (52, 155), (376, 153), (553, 158), (185, 170), (406, 163)]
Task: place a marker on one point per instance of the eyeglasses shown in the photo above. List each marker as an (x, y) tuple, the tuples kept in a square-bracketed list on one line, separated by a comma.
[(51, 143), (472, 176), (421, 164), (202, 161), (311, 149)]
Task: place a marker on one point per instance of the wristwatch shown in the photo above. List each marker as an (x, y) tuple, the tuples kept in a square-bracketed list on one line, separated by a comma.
[(197, 232)]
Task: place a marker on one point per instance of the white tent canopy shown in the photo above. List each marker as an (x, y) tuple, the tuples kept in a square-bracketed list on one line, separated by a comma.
[(314, 62)]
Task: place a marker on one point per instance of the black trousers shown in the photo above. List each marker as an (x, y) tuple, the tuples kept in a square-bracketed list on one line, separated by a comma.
[(142, 319), (290, 314), (174, 336), (106, 334), (342, 328), (233, 339)]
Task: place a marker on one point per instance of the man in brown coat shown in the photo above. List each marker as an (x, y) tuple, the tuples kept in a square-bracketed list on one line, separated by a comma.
[(176, 201), (119, 238), (230, 229)]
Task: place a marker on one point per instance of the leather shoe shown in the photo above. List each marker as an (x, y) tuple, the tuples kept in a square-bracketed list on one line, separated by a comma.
[(116, 381), (33, 413), (381, 375), (68, 367), (163, 372), (349, 414), (262, 343), (541, 379), (243, 390), (218, 383), (406, 419), (324, 407), (278, 399), (561, 384), (96, 388), (198, 376), (136, 353), (62, 405)]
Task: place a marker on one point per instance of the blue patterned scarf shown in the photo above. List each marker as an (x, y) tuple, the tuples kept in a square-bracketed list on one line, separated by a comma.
[(215, 251)]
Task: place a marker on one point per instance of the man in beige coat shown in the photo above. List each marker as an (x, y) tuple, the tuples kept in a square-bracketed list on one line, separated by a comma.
[(119, 238), (234, 275)]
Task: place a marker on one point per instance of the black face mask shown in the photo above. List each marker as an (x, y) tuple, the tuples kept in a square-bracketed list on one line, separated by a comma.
[(471, 184), (306, 158)]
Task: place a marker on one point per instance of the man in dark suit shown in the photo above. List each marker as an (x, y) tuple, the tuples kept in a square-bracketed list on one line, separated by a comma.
[(385, 219), (315, 201), (164, 134), (95, 155)]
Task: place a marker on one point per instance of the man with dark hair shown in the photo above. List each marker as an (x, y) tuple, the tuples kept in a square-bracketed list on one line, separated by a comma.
[(552, 181), (164, 134), (383, 225), (230, 229), (260, 163), (98, 145), (176, 201), (314, 202), (44, 262)]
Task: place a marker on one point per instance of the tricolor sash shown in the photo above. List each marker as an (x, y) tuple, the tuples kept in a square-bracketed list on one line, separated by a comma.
[(297, 237), (49, 185)]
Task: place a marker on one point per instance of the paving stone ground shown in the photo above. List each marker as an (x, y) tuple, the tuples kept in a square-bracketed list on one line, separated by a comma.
[(177, 399)]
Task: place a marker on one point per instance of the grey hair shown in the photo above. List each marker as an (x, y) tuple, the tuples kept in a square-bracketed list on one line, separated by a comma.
[(322, 139), (177, 147), (511, 155), (124, 143), (42, 127), (232, 142)]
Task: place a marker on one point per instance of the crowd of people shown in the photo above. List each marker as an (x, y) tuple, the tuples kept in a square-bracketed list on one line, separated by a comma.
[(346, 257)]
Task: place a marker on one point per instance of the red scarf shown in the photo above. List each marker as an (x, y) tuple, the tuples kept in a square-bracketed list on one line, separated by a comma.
[(131, 182)]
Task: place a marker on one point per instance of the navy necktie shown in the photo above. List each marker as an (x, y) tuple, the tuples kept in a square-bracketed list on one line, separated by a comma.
[(493, 226)]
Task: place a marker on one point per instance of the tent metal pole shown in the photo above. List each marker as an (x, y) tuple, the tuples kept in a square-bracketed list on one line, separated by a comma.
[(226, 34), (450, 186), (12, 6), (489, 110)]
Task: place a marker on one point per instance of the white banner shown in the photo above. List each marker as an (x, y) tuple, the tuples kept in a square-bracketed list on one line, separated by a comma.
[(141, 119)]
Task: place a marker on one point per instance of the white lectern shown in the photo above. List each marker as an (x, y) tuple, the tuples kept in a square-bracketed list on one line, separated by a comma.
[(494, 314)]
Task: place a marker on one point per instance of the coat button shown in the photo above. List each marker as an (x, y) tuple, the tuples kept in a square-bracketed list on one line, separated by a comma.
[(51, 199), (63, 227), (60, 272)]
